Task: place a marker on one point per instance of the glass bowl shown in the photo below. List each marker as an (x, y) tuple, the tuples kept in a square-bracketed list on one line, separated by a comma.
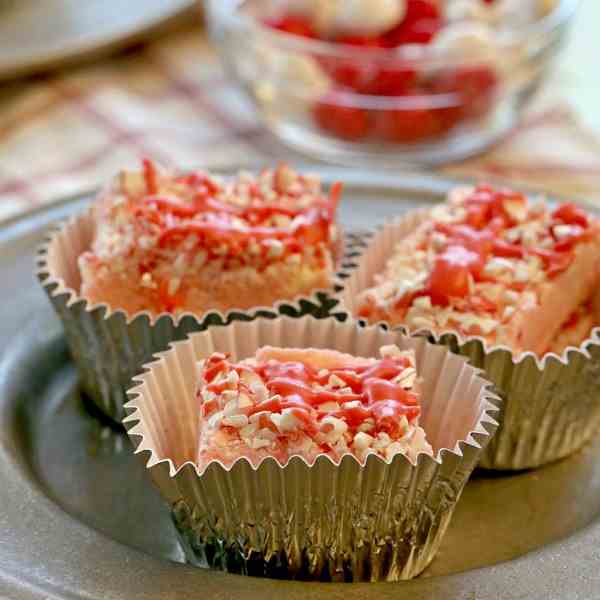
[(344, 103)]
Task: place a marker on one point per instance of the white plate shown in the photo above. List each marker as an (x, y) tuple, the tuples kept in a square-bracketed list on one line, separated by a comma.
[(38, 34)]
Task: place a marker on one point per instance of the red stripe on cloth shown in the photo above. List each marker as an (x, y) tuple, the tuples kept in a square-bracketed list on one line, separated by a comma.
[(94, 158), (106, 123), (197, 98), (26, 117), (20, 187), (216, 80), (555, 115)]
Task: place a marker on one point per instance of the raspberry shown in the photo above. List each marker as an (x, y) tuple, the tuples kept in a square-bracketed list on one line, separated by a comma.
[(346, 72), (475, 86), (447, 117), (352, 73), (391, 80), (419, 10), (345, 122), (359, 40), (294, 25), (421, 23), (406, 126)]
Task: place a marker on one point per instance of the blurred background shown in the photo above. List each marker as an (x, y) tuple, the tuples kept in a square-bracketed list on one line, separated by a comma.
[(87, 88)]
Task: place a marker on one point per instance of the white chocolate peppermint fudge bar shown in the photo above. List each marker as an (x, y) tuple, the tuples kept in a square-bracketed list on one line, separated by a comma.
[(191, 243), (491, 263), (308, 402)]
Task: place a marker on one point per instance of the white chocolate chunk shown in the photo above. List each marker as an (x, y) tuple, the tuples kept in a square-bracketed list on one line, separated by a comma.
[(367, 17), (329, 407), (362, 441), (335, 382), (285, 421), (465, 38), (517, 210), (237, 421)]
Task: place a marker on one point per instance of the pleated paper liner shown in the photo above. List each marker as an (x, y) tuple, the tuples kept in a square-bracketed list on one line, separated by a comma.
[(325, 521), (109, 345), (551, 404)]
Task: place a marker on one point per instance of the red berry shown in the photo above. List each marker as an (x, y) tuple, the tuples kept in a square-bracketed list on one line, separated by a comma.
[(353, 73), (474, 86), (370, 76), (347, 72), (421, 22), (345, 122), (420, 32), (406, 126), (421, 9), (447, 117), (477, 87), (390, 80), (293, 24), (359, 40)]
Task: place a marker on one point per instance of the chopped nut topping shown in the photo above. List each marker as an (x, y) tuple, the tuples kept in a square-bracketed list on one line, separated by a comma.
[(482, 257)]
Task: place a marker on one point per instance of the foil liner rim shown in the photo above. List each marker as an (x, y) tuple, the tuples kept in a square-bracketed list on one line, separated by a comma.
[(477, 439), (350, 247)]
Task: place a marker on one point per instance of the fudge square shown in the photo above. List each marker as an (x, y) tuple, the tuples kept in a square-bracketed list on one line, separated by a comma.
[(308, 402), (191, 243)]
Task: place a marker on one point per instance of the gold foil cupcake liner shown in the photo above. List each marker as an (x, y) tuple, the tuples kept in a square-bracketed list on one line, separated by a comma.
[(109, 346), (551, 404), (321, 521)]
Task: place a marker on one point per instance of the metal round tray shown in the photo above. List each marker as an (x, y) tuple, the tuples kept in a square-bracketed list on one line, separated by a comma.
[(79, 518)]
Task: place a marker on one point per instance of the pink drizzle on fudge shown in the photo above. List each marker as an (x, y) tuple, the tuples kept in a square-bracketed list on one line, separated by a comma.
[(491, 263), (191, 243), (308, 402)]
